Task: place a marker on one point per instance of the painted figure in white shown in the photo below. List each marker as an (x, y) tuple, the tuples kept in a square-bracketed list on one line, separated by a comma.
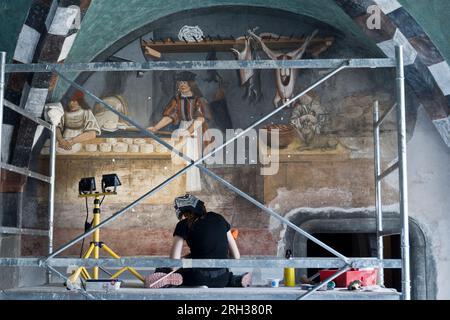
[(77, 125)]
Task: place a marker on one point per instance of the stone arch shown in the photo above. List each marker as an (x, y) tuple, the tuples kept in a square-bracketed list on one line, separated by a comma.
[(364, 221)]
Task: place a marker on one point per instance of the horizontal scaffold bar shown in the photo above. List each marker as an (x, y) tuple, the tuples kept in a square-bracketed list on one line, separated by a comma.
[(25, 172), (201, 65), (28, 115), (22, 231), (156, 262)]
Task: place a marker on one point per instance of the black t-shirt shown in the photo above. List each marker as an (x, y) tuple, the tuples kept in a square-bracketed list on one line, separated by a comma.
[(207, 237)]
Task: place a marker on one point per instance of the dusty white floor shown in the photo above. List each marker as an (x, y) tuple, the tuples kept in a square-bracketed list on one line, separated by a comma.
[(59, 292)]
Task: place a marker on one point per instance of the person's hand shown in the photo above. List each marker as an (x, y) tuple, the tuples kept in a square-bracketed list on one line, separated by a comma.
[(152, 129), (65, 144), (191, 131)]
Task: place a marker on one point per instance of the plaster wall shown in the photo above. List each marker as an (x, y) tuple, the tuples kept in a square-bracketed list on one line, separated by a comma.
[(428, 183), (147, 229)]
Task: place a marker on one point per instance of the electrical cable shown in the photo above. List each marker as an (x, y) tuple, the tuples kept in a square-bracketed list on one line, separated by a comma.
[(105, 271), (85, 226)]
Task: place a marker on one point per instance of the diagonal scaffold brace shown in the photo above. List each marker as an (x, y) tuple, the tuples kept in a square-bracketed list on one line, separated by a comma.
[(197, 163)]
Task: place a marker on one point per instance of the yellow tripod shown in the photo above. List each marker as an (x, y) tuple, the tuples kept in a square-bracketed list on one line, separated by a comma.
[(96, 245)]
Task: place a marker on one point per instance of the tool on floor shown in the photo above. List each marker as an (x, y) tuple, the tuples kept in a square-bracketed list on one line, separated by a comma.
[(289, 273)]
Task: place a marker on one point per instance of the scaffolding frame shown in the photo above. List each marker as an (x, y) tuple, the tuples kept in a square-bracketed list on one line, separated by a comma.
[(50, 179), (343, 263)]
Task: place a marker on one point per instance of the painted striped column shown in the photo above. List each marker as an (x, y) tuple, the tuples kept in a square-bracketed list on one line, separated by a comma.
[(429, 76), (47, 37)]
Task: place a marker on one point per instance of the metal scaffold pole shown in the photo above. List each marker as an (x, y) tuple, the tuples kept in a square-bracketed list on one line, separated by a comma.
[(2, 95), (378, 208), (51, 193), (401, 121)]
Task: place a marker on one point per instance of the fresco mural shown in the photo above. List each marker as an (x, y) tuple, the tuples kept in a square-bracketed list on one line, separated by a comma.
[(325, 138)]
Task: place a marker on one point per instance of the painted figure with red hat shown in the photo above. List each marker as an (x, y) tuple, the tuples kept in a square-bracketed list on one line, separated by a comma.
[(77, 125)]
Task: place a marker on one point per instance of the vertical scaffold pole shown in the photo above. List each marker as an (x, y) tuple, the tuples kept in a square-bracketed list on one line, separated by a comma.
[(378, 203), (2, 94), (51, 193), (401, 121)]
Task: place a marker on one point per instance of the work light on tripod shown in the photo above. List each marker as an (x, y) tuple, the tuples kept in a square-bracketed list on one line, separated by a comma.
[(86, 186), (110, 180)]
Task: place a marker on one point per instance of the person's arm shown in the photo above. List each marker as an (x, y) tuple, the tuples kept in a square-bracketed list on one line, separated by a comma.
[(177, 247), (59, 136), (63, 143), (234, 251), (169, 116), (165, 121), (85, 136)]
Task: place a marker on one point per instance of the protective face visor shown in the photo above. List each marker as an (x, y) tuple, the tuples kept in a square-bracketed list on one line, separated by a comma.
[(184, 203)]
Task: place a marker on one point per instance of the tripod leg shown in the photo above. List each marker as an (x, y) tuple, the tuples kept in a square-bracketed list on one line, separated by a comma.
[(136, 274), (111, 253), (89, 252), (85, 273), (118, 273), (81, 270), (116, 256)]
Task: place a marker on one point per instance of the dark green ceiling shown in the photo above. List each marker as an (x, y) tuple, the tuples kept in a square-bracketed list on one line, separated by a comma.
[(12, 17), (434, 17)]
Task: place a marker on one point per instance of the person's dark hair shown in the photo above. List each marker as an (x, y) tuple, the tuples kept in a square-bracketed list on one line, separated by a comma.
[(193, 216), (194, 88)]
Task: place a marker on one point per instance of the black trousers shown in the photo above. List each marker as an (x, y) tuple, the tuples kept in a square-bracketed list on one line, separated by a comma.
[(211, 277)]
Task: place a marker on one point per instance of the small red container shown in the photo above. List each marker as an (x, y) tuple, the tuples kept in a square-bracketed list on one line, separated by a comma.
[(367, 277)]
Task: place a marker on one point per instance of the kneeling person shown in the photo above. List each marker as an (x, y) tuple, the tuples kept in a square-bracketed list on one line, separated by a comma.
[(208, 236)]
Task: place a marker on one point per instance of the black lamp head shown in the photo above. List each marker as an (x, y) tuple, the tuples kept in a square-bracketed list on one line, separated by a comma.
[(110, 180), (86, 185)]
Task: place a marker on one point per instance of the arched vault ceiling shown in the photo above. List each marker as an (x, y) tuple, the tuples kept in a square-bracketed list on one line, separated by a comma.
[(107, 21)]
